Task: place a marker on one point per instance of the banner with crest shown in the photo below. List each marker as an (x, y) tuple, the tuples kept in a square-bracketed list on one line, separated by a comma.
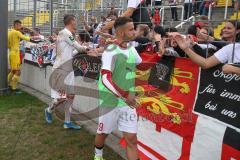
[(171, 125)]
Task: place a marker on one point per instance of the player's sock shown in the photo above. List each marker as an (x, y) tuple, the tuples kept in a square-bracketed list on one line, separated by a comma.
[(67, 106), (10, 76), (15, 80), (51, 107), (99, 151)]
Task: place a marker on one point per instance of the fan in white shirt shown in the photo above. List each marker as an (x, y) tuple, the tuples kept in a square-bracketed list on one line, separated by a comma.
[(229, 54)]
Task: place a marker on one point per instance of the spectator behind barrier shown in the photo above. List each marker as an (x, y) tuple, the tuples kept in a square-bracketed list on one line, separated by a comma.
[(142, 30), (91, 27), (84, 37), (231, 31), (229, 54), (137, 11), (229, 34)]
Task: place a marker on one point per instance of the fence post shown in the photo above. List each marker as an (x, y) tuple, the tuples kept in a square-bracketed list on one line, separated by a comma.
[(162, 15), (210, 12), (51, 17), (101, 5), (34, 19), (3, 46), (226, 9), (15, 8)]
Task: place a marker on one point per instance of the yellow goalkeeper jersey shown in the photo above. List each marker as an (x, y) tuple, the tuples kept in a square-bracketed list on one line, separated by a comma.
[(14, 38)]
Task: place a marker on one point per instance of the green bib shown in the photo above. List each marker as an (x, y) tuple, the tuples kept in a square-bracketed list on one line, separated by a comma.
[(123, 76)]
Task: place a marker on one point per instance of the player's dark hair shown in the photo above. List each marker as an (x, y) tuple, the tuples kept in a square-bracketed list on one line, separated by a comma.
[(68, 18), (17, 22)]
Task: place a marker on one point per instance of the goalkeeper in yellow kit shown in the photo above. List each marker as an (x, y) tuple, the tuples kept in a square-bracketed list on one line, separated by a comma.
[(14, 37)]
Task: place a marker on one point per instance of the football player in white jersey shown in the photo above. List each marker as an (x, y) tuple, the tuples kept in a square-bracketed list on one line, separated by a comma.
[(66, 48)]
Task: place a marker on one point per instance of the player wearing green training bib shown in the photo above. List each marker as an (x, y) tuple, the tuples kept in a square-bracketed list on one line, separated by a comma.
[(116, 90), (112, 92)]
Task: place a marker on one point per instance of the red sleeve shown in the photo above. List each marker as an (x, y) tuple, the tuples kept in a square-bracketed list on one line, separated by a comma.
[(111, 86)]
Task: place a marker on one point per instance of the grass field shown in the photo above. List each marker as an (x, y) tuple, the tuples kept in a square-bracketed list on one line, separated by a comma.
[(24, 134)]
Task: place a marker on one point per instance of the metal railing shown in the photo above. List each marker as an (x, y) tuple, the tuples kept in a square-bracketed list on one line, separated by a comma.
[(162, 12), (57, 13), (193, 18), (226, 9), (25, 8), (55, 18), (210, 11)]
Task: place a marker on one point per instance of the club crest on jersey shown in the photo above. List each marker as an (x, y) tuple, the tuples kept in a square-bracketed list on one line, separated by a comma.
[(71, 38)]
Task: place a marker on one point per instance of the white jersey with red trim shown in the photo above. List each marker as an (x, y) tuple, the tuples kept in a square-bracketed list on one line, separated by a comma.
[(66, 47)]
